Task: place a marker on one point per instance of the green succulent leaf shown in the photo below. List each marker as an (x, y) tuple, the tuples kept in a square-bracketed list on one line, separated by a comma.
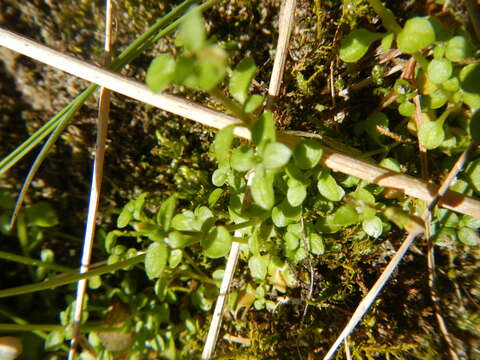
[(263, 130), (214, 196), (285, 214), (160, 73), (220, 175), (391, 164), (275, 155), (262, 189), (345, 216), (316, 245), (217, 242), (241, 78), (473, 174), (296, 194), (192, 34), (458, 49), (470, 78), (431, 134), (185, 221), (166, 211), (186, 72), (223, 143), (156, 259), (373, 226), (253, 103), (328, 187), (416, 35), (468, 236), (439, 70), (258, 266), (175, 258), (406, 109), (438, 98), (243, 158), (212, 67), (307, 154), (355, 45)]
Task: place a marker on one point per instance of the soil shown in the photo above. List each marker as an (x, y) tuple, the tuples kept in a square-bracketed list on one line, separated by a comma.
[(151, 151)]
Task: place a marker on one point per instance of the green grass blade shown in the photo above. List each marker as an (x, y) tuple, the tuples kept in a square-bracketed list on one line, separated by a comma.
[(34, 262), (71, 278)]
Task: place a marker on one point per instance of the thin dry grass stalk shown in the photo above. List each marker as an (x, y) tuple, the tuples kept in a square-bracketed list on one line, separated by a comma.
[(95, 189), (334, 160)]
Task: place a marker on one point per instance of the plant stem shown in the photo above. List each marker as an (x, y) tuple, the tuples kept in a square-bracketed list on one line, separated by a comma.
[(388, 19), (231, 105), (34, 262), (68, 279)]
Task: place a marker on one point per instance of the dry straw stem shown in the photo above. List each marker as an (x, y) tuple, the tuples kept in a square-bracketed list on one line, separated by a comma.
[(334, 160), (286, 21), (96, 185)]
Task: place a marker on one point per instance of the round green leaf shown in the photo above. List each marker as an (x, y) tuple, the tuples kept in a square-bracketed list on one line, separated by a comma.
[(317, 246), (438, 98), (217, 242), (417, 34), (262, 189), (192, 34), (243, 158), (219, 176), (258, 266), (406, 109), (387, 41), (470, 78), (223, 143), (42, 214), (166, 211), (285, 214), (156, 259), (458, 49), (468, 236), (175, 258), (214, 196), (185, 222), (439, 70), (373, 227), (263, 131), (276, 155), (391, 164), (328, 187), (212, 67), (431, 134), (356, 44), (54, 340), (292, 241), (241, 78), (345, 215), (160, 73), (253, 103), (178, 240), (473, 174), (307, 154), (475, 127), (296, 194), (451, 85)]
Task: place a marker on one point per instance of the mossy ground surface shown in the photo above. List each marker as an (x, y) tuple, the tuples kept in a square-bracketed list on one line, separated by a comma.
[(151, 151)]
